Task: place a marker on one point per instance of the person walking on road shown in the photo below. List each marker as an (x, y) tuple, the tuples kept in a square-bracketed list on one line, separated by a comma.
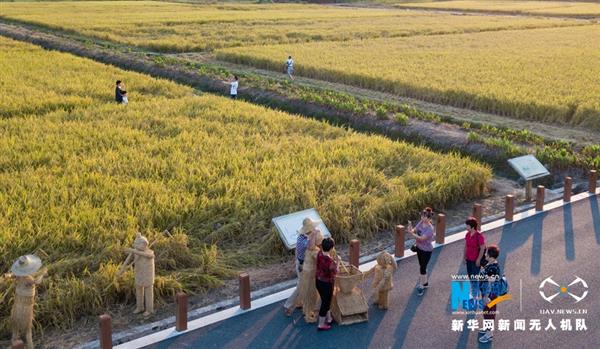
[(491, 288), (309, 226), (326, 270), (289, 67), (473, 253), (423, 234)]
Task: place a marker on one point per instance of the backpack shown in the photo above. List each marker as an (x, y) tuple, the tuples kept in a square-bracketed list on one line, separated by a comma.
[(502, 287), (499, 287)]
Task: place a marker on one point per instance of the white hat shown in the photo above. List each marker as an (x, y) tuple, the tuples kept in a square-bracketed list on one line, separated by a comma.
[(26, 265), (308, 225)]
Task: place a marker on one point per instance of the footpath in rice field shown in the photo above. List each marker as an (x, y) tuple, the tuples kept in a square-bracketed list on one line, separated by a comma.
[(561, 244)]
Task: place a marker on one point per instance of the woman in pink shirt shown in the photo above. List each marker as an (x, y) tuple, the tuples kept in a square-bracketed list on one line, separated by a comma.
[(423, 234)]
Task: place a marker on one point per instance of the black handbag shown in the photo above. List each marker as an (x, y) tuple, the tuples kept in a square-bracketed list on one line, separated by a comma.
[(414, 245)]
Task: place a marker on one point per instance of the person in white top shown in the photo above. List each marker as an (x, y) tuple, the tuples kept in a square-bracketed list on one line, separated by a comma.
[(289, 65), (233, 83), (124, 97)]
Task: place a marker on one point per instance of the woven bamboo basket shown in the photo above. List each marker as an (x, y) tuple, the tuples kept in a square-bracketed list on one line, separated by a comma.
[(348, 278)]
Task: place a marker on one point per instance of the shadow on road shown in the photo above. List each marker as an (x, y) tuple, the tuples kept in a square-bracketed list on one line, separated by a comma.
[(568, 227), (414, 301), (595, 216), (515, 235)]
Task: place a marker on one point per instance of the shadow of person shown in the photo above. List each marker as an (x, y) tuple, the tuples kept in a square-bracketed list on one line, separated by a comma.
[(414, 302), (281, 332)]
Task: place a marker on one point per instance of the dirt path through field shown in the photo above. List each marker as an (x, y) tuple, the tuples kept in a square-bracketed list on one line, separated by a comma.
[(570, 133), (86, 328)]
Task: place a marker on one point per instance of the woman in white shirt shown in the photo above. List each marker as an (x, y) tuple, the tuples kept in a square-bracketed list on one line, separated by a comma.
[(289, 64), (233, 87)]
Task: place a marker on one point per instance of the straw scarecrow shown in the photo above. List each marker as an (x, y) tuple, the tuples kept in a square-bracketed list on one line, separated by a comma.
[(382, 281), (308, 290), (309, 226), (143, 261), (26, 272)]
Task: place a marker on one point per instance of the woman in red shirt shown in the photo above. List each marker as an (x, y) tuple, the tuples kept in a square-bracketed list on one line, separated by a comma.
[(326, 271), (474, 250)]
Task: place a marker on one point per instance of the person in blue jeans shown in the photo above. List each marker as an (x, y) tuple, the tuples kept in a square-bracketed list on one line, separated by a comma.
[(473, 253), (423, 234), (490, 290)]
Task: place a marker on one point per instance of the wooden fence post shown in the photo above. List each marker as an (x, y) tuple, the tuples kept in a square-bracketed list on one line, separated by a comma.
[(539, 198), (440, 229), (509, 210), (568, 189), (181, 313), (244, 291), (478, 214), (593, 180), (400, 234), (105, 331), (354, 252)]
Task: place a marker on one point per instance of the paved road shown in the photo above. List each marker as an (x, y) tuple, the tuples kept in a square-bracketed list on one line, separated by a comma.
[(560, 243)]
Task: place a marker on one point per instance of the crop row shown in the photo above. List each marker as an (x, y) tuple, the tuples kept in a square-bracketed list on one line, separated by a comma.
[(552, 8), (539, 74), (78, 181), (169, 27), (507, 141)]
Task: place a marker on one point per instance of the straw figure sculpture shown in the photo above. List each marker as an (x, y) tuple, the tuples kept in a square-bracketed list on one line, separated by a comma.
[(27, 274), (143, 266), (382, 281), (307, 288)]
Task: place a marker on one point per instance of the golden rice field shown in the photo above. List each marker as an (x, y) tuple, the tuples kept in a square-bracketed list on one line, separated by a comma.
[(560, 8), (79, 178), (538, 74), (164, 26)]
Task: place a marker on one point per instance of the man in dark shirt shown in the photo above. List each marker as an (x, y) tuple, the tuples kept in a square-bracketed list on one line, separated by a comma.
[(118, 95)]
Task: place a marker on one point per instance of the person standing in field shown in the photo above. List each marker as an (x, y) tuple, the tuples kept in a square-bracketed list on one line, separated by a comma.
[(125, 100), (289, 65), (233, 87), (423, 234), (473, 253), (118, 92), (309, 227)]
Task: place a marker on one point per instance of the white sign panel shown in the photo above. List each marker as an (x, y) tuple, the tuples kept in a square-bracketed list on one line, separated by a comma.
[(287, 226), (528, 167)]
